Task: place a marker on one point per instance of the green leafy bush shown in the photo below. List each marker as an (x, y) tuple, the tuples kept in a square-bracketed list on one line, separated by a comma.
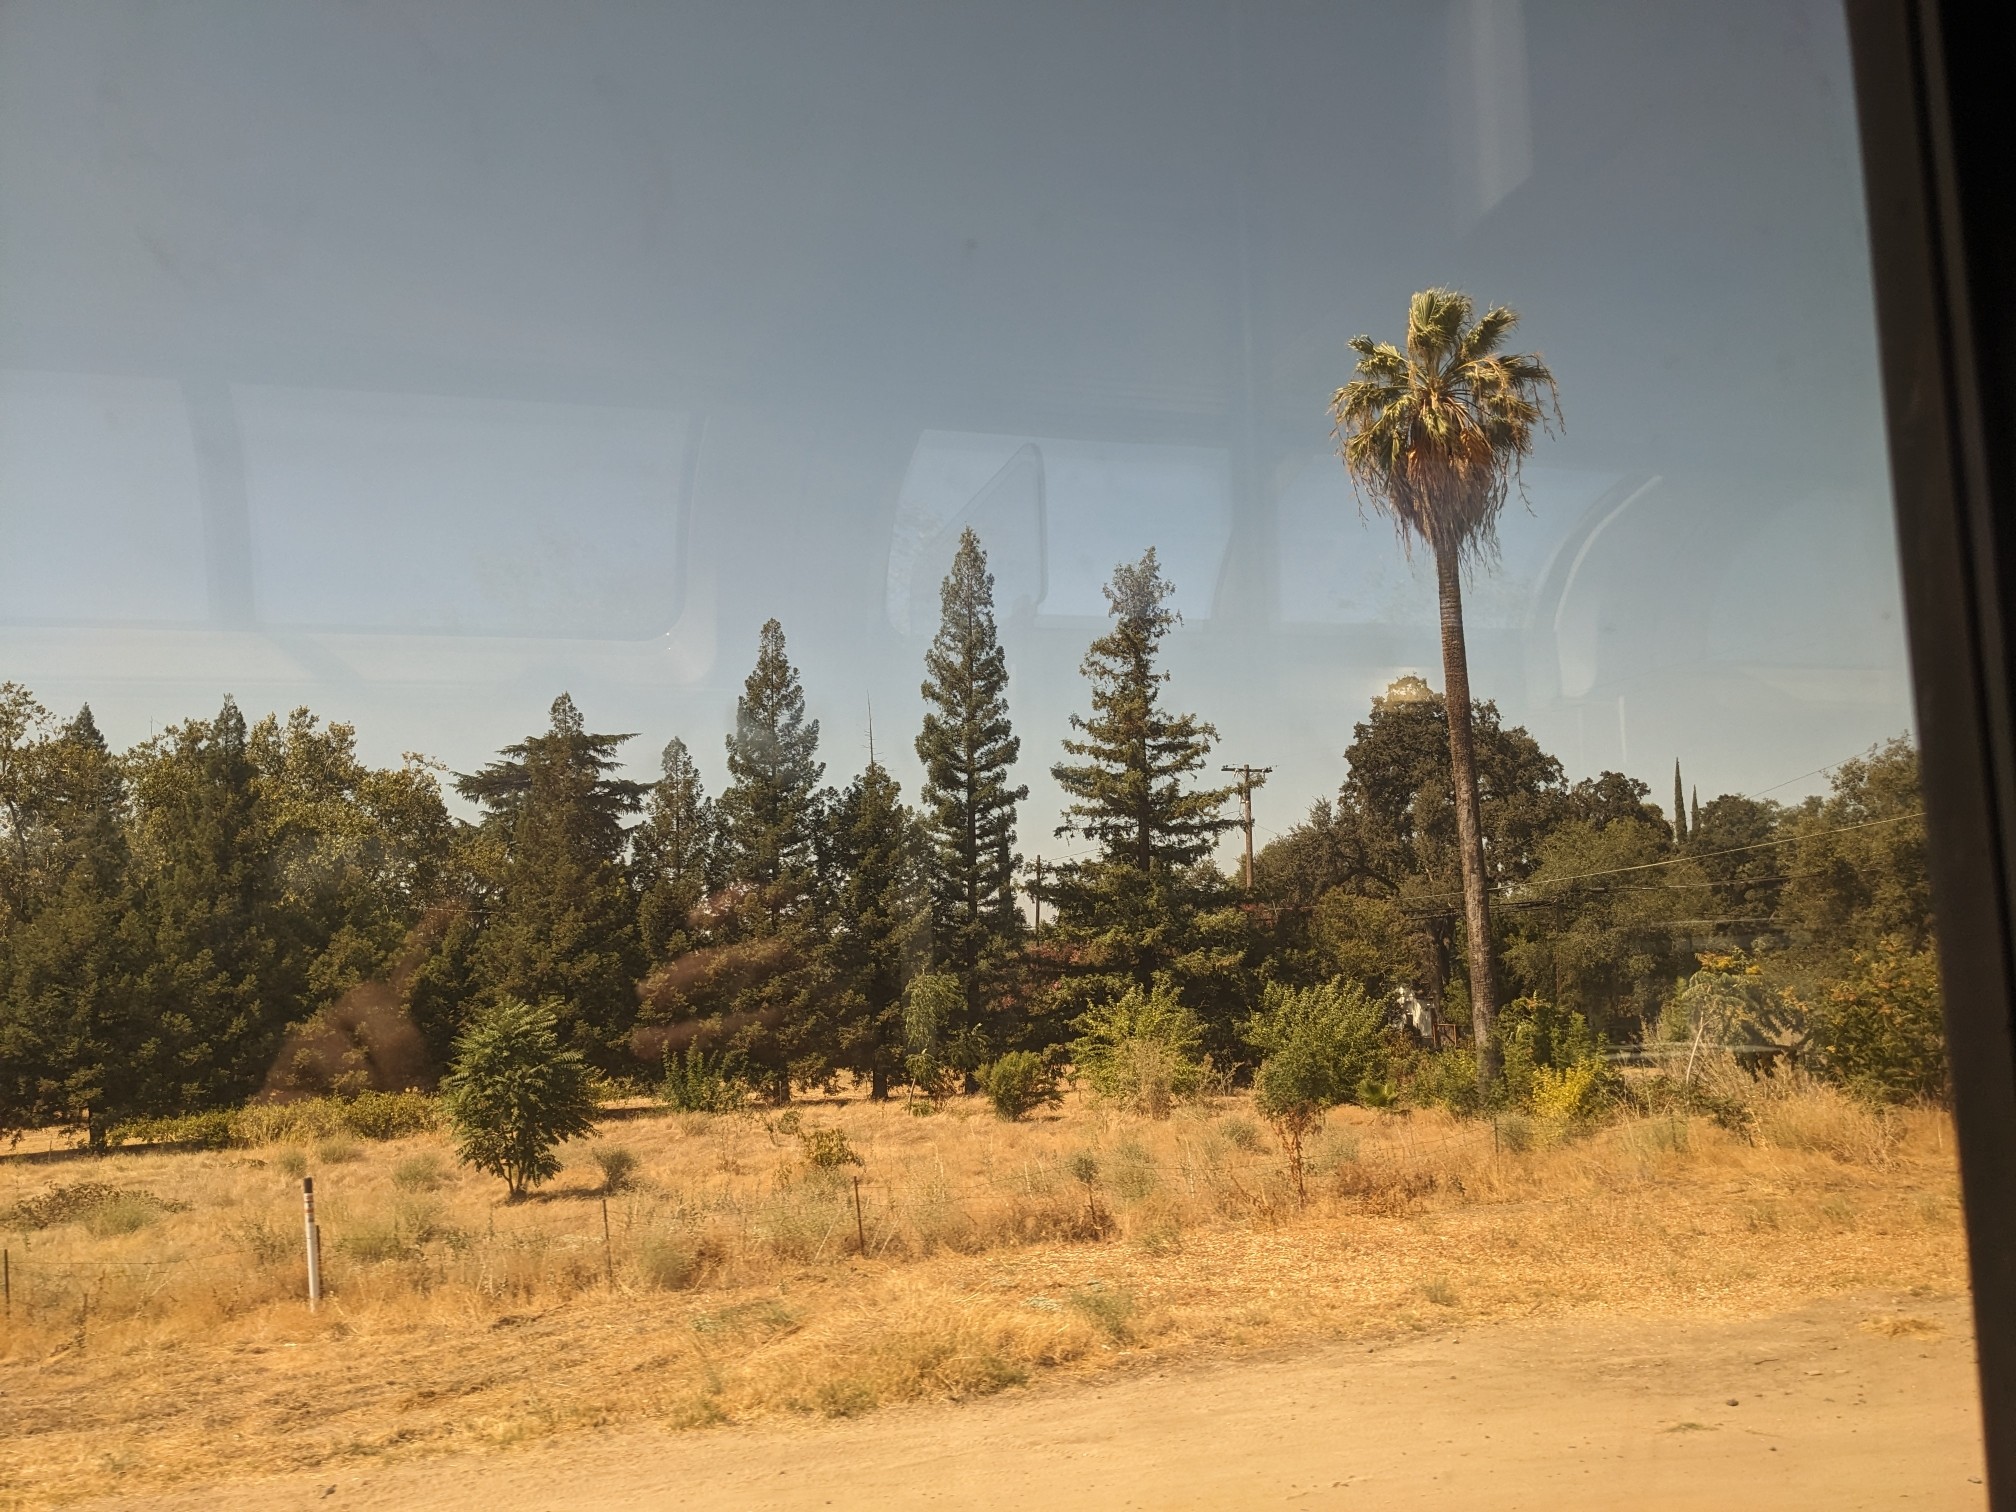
[(1019, 1083), (1881, 1029), (514, 1094), (1140, 1050), (696, 1082), (827, 1149), (211, 1130), (1442, 1079), (1321, 1045)]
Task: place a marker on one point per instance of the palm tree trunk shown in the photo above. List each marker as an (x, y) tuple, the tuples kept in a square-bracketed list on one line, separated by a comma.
[(1469, 825)]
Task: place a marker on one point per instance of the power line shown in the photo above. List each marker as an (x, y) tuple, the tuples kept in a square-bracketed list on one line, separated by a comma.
[(1733, 850)]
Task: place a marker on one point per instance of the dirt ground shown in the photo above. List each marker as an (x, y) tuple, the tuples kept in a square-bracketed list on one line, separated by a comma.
[(1862, 1401)]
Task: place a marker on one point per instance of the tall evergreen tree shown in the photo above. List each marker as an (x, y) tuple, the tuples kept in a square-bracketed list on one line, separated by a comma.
[(760, 986), (881, 923), (770, 810), (69, 1002), (561, 925), (968, 746), (221, 986), (676, 854), (1679, 807), (1694, 820), (1133, 911)]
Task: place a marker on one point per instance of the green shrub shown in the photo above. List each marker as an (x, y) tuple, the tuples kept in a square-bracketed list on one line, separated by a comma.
[(292, 1162), (827, 1149), (1443, 1079), (940, 1052), (1321, 1045), (1019, 1083), (211, 1130), (1577, 1094), (370, 1115), (1140, 1050), (696, 1082), (338, 1151), (514, 1094), (1880, 1030)]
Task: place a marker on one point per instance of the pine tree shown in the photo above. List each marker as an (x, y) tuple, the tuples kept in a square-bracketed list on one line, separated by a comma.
[(220, 984), (69, 1020), (1130, 792), (1694, 820), (1679, 807), (676, 854), (561, 925), (770, 811), (761, 987), (881, 918), (968, 746)]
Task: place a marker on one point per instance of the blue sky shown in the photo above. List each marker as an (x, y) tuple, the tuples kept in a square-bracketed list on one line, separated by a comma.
[(416, 362)]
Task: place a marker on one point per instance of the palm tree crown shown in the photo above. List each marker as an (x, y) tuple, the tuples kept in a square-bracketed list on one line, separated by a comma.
[(1434, 435)]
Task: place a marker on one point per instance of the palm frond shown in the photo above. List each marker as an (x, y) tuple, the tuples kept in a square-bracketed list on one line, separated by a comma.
[(1433, 436)]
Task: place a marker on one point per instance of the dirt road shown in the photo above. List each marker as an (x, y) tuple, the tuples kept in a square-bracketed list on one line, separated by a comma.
[(1846, 1404)]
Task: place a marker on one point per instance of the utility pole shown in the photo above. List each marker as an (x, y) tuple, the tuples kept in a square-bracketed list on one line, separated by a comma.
[(1250, 777), (1036, 896)]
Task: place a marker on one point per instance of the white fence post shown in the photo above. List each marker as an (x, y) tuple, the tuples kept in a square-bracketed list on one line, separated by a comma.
[(314, 1236)]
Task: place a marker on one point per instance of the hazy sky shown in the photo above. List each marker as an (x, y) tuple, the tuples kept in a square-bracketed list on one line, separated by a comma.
[(418, 360)]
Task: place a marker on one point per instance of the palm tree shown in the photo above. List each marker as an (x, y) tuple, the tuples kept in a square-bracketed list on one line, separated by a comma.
[(1434, 436)]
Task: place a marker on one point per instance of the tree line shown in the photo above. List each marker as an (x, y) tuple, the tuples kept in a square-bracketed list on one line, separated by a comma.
[(232, 909), (229, 909)]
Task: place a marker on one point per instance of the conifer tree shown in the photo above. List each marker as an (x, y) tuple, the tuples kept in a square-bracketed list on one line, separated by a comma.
[(968, 746), (881, 923), (69, 1021), (1131, 794), (561, 925), (1679, 807), (763, 988), (676, 854), (770, 810), (1694, 820), (220, 985)]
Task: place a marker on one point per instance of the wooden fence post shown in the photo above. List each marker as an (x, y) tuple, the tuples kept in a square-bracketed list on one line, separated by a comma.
[(314, 1239), (608, 1253), (860, 1232)]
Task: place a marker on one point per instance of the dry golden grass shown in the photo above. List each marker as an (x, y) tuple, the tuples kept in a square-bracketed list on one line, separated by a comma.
[(163, 1337)]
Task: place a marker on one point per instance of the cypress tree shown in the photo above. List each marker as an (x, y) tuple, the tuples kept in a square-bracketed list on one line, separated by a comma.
[(561, 925), (1694, 821), (968, 746), (881, 923), (1679, 807), (1131, 794)]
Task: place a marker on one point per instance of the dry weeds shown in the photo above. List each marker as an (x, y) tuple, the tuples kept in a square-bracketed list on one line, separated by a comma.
[(173, 1343)]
